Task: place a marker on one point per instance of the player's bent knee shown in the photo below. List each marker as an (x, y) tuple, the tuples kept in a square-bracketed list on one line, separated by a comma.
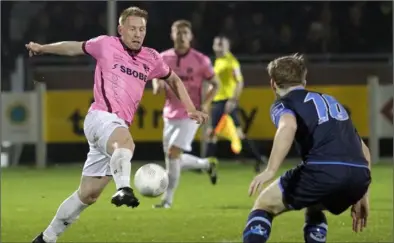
[(91, 188), (174, 152), (88, 198), (271, 199), (120, 138), (122, 154)]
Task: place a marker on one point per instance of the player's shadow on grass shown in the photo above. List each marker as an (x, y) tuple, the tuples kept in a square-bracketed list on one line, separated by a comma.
[(233, 207)]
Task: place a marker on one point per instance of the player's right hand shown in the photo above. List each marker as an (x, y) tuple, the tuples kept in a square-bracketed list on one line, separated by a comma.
[(359, 214), (199, 116), (34, 48), (259, 181)]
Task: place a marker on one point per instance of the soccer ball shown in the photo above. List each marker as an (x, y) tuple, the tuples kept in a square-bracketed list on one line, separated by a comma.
[(151, 180)]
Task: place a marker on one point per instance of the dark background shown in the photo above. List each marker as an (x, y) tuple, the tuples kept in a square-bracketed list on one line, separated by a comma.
[(344, 42)]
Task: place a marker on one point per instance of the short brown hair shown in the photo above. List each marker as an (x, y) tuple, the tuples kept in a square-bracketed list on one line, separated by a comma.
[(132, 11), (287, 70), (182, 24)]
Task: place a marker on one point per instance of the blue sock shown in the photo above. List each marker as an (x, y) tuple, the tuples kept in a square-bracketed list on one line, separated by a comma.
[(315, 229), (258, 227)]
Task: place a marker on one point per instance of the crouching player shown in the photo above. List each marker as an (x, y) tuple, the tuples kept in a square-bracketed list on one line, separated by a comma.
[(335, 172)]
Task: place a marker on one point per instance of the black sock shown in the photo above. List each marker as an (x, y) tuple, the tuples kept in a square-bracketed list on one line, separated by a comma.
[(210, 150), (258, 227), (315, 229), (251, 148)]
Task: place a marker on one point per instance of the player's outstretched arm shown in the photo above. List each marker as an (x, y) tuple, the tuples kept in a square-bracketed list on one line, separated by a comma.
[(64, 48), (284, 137), (287, 127)]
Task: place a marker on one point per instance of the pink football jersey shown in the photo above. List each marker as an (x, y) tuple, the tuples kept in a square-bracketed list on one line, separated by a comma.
[(121, 74), (193, 68)]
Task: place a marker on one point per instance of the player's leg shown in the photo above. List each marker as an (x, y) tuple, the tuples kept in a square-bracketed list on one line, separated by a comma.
[(248, 145), (192, 162), (343, 186), (217, 111), (294, 190), (98, 127), (93, 181), (184, 140), (120, 146), (177, 137), (172, 160), (112, 138), (315, 228), (173, 166), (268, 205)]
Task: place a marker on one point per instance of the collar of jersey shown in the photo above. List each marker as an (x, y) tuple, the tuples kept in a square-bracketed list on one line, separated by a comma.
[(184, 54), (131, 52), (297, 88)]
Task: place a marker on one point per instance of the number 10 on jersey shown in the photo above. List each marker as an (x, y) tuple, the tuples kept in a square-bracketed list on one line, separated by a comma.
[(326, 107)]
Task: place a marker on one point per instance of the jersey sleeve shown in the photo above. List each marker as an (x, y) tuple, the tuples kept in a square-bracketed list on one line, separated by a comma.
[(161, 70), (236, 67), (95, 46), (277, 110), (207, 71)]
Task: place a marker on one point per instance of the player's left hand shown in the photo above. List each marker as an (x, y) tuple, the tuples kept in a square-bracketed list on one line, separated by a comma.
[(259, 180), (230, 105), (359, 214), (199, 116)]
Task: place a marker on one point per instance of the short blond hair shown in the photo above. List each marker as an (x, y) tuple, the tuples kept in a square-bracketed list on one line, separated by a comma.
[(132, 11), (182, 24), (288, 71)]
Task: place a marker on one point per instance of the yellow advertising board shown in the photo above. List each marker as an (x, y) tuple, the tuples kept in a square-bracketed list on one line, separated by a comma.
[(65, 112)]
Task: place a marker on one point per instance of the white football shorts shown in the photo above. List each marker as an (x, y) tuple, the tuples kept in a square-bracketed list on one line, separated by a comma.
[(179, 133), (98, 127)]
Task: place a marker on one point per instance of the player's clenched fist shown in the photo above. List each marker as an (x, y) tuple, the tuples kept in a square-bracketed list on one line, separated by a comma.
[(199, 116), (34, 48)]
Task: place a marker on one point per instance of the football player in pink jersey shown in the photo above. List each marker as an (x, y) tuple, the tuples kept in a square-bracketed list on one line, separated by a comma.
[(122, 70), (193, 68)]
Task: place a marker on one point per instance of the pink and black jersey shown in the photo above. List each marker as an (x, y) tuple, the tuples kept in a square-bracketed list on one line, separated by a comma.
[(193, 68), (121, 74)]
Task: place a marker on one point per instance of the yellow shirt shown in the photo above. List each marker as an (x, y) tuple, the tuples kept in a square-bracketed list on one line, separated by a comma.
[(228, 71)]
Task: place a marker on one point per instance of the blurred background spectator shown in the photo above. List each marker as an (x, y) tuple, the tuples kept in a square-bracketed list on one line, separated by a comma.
[(254, 28)]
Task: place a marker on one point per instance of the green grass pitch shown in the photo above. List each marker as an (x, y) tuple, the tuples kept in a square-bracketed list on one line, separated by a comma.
[(201, 213)]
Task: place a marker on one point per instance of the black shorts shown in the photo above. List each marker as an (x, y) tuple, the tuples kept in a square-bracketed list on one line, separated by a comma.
[(334, 186), (217, 112)]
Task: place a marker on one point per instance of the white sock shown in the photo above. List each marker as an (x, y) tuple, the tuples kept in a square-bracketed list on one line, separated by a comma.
[(67, 213), (174, 172), (189, 161), (120, 165)]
